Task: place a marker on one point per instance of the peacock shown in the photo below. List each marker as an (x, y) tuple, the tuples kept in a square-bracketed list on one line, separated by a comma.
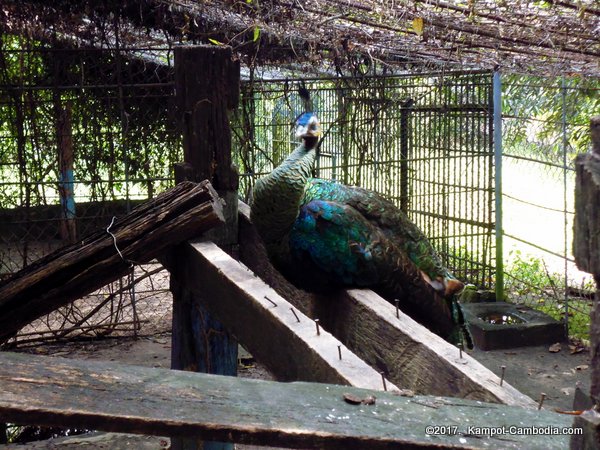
[(323, 235)]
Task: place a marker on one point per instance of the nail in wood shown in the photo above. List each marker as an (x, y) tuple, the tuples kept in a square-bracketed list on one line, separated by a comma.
[(542, 398), (397, 312), (271, 301), (383, 379), (503, 368), (460, 349), (318, 328), (295, 315), (340, 351)]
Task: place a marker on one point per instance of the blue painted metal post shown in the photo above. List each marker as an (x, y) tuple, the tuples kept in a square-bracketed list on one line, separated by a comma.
[(207, 87), (497, 110)]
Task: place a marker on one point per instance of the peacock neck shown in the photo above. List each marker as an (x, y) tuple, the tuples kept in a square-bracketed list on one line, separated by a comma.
[(277, 197)]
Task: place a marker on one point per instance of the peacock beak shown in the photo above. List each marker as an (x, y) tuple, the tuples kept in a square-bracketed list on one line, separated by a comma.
[(313, 130)]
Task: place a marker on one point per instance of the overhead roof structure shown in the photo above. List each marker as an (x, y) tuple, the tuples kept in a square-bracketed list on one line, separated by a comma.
[(542, 37)]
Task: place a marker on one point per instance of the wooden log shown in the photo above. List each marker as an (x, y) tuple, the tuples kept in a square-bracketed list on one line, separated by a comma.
[(207, 85), (124, 398), (286, 341), (178, 214), (409, 354)]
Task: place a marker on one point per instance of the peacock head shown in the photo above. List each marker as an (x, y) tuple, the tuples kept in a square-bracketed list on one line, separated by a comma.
[(308, 129)]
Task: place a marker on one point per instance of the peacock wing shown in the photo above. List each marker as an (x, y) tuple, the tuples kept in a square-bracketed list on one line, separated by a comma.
[(396, 226), (335, 239)]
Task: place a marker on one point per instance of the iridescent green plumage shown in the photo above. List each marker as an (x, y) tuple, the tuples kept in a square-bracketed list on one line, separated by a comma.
[(322, 234)]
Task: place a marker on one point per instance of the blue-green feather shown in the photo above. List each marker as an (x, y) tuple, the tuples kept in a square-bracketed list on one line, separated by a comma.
[(336, 239)]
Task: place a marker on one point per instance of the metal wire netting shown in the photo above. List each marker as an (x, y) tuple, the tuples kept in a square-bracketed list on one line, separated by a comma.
[(423, 141), (546, 123), (85, 135)]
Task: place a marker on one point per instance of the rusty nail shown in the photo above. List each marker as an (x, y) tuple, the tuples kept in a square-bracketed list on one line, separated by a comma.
[(542, 398), (295, 315), (383, 379)]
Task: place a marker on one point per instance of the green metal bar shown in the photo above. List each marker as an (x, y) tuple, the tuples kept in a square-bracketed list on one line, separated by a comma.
[(497, 118), (565, 202)]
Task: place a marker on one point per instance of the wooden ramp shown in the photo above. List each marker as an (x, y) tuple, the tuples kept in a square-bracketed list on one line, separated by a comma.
[(283, 338), (408, 354), (117, 397)]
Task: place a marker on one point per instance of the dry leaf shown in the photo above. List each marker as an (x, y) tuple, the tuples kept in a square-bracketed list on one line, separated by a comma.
[(576, 349), (356, 400), (418, 25), (352, 399), (555, 348)]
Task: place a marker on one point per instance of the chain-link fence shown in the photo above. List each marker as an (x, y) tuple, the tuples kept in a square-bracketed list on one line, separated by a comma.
[(85, 134), (423, 141), (546, 123)]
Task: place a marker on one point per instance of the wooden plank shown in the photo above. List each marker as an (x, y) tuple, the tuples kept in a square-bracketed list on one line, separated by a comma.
[(285, 341), (117, 397), (180, 213), (406, 351), (586, 249)]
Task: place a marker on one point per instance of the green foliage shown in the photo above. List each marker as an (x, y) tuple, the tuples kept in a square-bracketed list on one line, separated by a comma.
[(562, 106), (529, 281), (120, 133), (526, 275)]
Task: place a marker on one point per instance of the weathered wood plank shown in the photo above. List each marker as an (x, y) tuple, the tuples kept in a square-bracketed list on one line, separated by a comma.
[(409, 354), (207, 86), (178, 214), (263, 321), (586, 249), (117, 397)]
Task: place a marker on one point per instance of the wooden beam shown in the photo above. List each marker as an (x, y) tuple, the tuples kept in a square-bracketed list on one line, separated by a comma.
[(71, 272), (408, 353), (207, 88), (107, 396), (285, 341)]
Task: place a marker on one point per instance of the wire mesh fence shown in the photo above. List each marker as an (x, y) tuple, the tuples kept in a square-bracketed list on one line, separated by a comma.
[(85, 135), (424, 141), (546, 123)]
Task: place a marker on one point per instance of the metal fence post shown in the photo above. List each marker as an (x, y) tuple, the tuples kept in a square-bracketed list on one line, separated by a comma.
[(497, 101), (565, 207)]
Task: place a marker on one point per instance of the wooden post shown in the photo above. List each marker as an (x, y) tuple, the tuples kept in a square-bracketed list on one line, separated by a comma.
[(207, 86), (64, 138), (586, 248)]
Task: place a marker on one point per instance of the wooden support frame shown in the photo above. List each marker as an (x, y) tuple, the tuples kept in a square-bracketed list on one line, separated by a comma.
[(394, 343), (207, 87), (256, 315), (124, 398)]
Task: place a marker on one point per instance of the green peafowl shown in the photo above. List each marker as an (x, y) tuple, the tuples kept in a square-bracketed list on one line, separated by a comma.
[(322, 234)]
